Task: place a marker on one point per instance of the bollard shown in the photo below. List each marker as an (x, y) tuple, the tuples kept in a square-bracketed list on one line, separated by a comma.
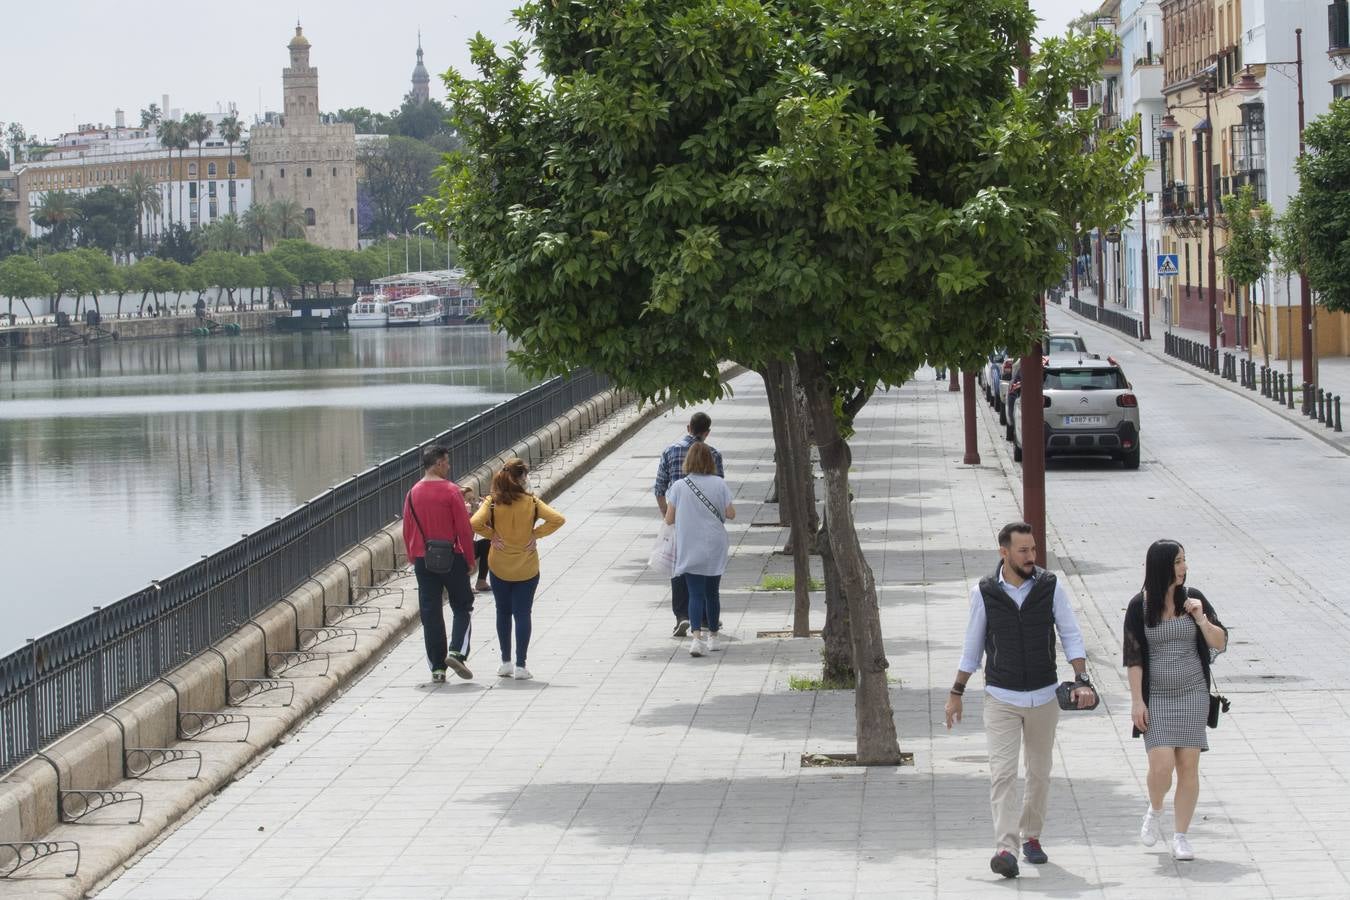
[(1321, 405), (1264, 384), (1338, 412), (1289, 394)]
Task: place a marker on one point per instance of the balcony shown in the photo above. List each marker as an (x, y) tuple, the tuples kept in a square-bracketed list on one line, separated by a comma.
[(1181, 201), (1338, 28), (1108, 122), (1146, 80)]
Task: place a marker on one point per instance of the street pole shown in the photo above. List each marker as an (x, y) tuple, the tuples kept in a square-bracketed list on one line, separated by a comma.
[(972, 457), (1209, 225), (1305, 292), (1143, 246), (1033, 412), (1101, 272), (1077, 254)]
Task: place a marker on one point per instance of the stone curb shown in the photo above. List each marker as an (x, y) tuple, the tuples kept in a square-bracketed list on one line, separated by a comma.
[(90, 754)]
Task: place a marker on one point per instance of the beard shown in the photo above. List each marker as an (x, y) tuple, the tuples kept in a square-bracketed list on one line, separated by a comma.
[(1024, 572)]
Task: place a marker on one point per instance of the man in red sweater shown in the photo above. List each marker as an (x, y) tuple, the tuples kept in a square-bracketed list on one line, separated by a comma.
[(434, 510)]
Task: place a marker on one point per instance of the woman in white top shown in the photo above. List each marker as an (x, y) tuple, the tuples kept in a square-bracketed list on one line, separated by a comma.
[(698, 505)]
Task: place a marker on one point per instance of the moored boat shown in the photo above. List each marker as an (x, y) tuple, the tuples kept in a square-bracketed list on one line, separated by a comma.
[(369, 311), (421, 309)]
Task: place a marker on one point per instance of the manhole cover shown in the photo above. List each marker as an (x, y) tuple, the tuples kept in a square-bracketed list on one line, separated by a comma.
[(1271, 437), (834, 760), (787, 633)]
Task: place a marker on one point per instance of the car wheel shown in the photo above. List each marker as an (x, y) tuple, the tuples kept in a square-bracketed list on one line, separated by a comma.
[(1131, 458)]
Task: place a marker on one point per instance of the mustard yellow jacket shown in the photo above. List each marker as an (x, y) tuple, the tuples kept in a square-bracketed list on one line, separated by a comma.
[(515, 525)]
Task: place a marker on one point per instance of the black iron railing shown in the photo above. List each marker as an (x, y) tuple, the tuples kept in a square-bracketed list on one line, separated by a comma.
[(67, 677), (1122, 322)]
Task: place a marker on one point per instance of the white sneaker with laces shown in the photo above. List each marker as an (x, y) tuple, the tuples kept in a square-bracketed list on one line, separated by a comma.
[(1181, 847), (712, 644), (522, 674), (697, 647), (506, 670), (1150, 832)]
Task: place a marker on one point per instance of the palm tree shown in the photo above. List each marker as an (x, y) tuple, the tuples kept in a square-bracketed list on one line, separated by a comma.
[(197, 127), (259, 225), (151, 115), (170, 134), (58, 212), (231, 129), (144, 192), (288, 217), (225, 234)]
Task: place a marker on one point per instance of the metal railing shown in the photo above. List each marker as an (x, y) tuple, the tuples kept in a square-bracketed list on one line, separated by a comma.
[(63, 679), (1125, 324)]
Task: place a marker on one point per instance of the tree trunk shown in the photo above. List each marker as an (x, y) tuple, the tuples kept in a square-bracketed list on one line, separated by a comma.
[(876, 737), (837, 657), (32, 318), (794, 476)]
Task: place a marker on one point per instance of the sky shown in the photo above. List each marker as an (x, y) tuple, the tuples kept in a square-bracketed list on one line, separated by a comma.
[(80, 63)]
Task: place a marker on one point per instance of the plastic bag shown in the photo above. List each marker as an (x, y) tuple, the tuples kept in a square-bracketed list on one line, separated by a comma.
[(662, 560)]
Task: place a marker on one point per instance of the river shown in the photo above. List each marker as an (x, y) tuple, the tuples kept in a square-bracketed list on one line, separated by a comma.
[(123, 462)]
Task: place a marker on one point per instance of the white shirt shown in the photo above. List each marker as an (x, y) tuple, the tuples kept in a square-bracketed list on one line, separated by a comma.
[(1070, 638)]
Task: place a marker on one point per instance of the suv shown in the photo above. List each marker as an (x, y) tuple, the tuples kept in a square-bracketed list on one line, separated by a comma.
[(988, 376), (1065, 342), (1090, 409)]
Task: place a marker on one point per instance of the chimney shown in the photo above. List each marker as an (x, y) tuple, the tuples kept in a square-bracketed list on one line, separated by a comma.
[(121, 118), (164, 106)]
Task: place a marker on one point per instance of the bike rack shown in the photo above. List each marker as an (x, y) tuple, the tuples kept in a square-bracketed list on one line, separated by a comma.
[(73, 804), (137, 761), (27, 853)]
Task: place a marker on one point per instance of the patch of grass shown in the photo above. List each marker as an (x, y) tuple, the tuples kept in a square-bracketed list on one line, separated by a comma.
[(809, 683), (785, 583)]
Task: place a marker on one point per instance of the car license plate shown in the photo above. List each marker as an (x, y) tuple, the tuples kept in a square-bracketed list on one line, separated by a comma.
[(1085, 420)]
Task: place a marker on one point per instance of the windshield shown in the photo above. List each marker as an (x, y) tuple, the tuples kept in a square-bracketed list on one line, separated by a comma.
[(1065, 345), (1084, 380)]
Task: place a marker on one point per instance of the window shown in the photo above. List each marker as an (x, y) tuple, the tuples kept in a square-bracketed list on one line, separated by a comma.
[(210, 170), (233, 169), (309, 216), (192, 190), (283, 173), (334, 171), (192, 170), (309, 172), (1084, 379)]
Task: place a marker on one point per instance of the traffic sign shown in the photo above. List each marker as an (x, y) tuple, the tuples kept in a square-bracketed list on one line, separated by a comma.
[(1167, 264)]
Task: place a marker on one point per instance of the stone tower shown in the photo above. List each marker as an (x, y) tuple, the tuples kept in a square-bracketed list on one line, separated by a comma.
[(421, 81), (305, 159)]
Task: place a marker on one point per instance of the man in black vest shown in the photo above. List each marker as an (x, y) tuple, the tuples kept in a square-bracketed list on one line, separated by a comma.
[(1014, 613)]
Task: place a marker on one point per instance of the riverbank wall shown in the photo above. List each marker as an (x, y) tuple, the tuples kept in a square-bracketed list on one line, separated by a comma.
[(48, 334), (90, 767)]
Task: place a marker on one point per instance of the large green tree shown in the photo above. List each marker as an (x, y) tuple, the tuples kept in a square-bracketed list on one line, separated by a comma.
[(849, 185), (107, 219), (1324, 203), (59, 213), (399, 174), (1251, 242), (22, 277)]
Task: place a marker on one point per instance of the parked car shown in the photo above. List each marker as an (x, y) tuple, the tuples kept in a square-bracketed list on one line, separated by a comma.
[(1090, 409), (988, 376)]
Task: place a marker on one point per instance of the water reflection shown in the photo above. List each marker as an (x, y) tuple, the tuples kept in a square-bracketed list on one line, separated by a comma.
[(123, 462)]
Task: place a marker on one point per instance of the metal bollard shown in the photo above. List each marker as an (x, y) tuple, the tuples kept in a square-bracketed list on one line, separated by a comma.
[(1321, 405), (1289, 395), (1338, 412)]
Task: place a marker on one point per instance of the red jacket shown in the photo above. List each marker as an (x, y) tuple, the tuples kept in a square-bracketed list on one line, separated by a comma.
[(440, 509)]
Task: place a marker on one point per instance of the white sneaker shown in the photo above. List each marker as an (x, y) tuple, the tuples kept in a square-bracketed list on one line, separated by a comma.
[(712, 644), (697, 647), (506, 670), (1150, 832), (1181, 847), (522, 674)]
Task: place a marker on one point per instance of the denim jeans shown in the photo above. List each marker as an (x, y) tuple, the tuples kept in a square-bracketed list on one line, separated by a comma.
[(705, 604), (431, 591), (514, 599)]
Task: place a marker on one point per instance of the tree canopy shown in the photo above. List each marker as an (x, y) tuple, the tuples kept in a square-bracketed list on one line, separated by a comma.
[(1323, 205)]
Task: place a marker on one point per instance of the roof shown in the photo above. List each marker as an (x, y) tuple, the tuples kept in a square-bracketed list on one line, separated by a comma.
[(435, 276)]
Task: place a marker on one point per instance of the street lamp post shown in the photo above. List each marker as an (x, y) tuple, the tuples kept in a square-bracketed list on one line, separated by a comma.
[(1209, 226), (1248, 84), (1143, 243)]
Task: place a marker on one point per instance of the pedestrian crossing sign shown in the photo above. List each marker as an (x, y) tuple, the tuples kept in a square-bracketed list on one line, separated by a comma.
[(1167, 264)]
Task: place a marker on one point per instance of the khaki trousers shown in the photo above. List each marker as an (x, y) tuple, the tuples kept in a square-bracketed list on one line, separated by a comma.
[(1009, 728)]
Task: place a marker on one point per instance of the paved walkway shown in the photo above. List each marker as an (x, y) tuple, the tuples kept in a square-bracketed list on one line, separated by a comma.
[(628, 769)]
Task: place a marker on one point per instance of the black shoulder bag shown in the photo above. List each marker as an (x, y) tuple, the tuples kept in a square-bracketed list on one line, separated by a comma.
[(440, 556), (1217, 703)]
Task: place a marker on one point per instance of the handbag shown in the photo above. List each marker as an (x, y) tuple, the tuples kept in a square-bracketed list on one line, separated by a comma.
[(440, 555), (1217, 703), (662, 558), (1064, 694)]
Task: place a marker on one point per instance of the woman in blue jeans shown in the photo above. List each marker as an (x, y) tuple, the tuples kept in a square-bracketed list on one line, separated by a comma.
[(698, 505), (508, 516)]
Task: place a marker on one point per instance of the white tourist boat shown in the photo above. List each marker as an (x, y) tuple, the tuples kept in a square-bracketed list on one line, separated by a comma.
[(421, 309), (369, 311)]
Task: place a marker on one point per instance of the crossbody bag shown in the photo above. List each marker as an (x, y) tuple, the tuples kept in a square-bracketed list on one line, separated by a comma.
[(440, 555), (706, 502)]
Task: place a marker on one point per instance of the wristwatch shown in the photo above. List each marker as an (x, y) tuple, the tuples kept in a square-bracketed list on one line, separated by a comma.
[(1083, 679)]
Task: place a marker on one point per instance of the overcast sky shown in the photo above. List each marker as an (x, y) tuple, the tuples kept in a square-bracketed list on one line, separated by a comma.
[(79, 61)]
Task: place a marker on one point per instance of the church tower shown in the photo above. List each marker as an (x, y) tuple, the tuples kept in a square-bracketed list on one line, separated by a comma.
[(300, 83), (421, 81)]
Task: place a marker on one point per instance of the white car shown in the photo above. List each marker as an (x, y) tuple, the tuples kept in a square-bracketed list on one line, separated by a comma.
[(1090, 410)]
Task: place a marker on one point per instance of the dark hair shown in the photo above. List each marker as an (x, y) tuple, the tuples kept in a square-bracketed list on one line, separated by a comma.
[(1007, 531), (509, 483), (700, 423), (699, 460), (433, 455), (1159, 570)]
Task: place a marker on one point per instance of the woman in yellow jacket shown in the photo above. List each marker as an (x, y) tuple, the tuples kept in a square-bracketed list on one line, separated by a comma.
[(508, 517)]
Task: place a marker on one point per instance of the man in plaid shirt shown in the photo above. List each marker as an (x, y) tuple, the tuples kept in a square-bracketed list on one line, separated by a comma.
[(669, 470)]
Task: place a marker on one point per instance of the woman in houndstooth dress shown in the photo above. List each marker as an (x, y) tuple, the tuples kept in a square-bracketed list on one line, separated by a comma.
[(1172, 634)]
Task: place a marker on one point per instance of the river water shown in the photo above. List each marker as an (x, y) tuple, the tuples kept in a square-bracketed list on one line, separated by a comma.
[(123, 462)]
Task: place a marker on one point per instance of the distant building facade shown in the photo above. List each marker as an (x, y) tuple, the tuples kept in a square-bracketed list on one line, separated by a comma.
[(306, 159), (96, 156)]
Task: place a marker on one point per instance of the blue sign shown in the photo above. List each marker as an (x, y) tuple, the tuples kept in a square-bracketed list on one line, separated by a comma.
[(1167, 264)]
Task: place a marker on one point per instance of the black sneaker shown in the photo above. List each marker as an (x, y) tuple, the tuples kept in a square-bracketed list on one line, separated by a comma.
[(1032, 852), (1004, 863), (456, 662), (681, 628)]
